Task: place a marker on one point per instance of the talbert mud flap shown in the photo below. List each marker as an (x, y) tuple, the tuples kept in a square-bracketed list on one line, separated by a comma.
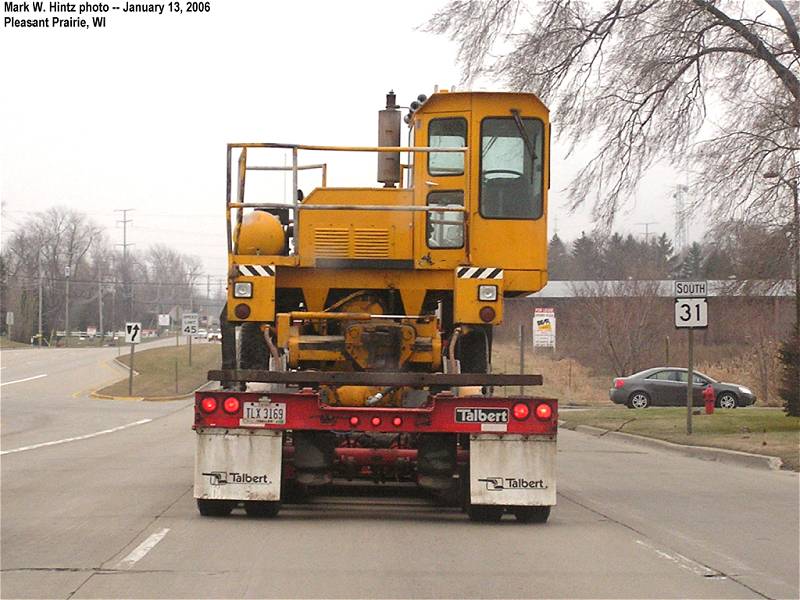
[(238, 465), (512, 470)]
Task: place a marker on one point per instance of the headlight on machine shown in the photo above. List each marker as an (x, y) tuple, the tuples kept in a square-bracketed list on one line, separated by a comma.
[(487, 293), (243, 289)]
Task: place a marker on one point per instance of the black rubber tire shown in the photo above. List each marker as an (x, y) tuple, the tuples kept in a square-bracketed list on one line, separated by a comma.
[(253, 353), (727, 396), (643, 402), (484, 513), (215, 508), (262, 509), (531, 514)]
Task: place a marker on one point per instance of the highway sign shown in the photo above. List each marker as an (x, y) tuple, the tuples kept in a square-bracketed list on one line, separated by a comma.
[(133, 333), (691, 313), (9, 318), (690, 289), (163, 320), (190, 323)]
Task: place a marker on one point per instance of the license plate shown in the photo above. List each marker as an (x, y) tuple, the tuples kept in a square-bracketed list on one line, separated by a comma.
[(263, 413)]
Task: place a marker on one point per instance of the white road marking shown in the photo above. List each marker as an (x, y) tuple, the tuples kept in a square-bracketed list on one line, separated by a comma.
[(141, 550), (683, 562), (75, 439), (21, 380)]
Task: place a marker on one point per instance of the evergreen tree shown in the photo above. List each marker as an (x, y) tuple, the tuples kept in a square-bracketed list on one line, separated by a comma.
[(692, 265), (585, 258), (615, 259), (663, 257), (558, 260)]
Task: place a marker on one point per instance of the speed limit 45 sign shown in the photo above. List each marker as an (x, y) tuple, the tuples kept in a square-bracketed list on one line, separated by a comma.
[(691, 313)]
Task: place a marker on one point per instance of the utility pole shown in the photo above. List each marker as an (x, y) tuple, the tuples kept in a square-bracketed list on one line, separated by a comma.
[(208, 287), (40, 300), (126, 287), (100, 307), (647, 230), (66, 316)]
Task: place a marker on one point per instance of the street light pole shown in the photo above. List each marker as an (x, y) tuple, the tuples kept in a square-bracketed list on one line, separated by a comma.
[(66, 316), (792, 184)]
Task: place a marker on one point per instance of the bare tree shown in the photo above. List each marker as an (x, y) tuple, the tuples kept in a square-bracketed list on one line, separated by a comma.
[(707, 84), (620, 318)]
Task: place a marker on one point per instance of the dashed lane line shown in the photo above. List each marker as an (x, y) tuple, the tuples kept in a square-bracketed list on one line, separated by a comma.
[(76, 438), (26, 379), (142, 549)]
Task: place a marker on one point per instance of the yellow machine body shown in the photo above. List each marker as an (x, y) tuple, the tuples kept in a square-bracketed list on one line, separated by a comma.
[(461, 230)]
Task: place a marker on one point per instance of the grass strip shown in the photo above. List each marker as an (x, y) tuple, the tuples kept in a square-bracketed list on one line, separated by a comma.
[(759, 431), (157, 370)]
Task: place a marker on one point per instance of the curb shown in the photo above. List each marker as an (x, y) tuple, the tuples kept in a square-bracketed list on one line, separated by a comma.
[(186, 396), (733, 457)]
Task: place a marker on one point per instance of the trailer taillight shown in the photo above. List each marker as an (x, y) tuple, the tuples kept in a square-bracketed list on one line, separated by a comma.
[(397, 421), (376, 421), (353, 421), (231, 405), (208, 404), (618, 383), (521, 411), (544, 411)]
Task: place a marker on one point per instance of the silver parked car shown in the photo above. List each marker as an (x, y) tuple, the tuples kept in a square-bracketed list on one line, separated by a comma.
[(666, 386)]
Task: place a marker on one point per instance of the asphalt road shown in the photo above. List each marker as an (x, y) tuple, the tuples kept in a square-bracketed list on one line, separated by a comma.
[(111, 515)]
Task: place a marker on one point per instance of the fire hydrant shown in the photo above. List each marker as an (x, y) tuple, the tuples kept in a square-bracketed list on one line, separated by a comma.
[(708, 397)]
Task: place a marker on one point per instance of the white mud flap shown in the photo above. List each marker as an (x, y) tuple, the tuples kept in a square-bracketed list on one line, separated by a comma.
[(238, 464), (512, 470)]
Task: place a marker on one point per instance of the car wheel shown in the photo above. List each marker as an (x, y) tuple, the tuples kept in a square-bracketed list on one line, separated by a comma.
[(215, 508), (639, 400), (726, 400)]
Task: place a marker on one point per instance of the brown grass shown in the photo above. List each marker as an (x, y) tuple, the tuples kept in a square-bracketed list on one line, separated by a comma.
[(156, 370)]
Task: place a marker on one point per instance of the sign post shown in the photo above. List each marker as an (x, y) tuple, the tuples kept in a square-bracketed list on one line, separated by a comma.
[(691, 312), (133, 334), (10, 323), (189, 325)]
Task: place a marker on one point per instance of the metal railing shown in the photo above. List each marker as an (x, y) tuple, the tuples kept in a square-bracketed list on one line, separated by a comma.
[(295, 168)]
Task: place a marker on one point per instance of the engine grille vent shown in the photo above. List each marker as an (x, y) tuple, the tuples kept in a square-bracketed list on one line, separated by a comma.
[(340, 242)]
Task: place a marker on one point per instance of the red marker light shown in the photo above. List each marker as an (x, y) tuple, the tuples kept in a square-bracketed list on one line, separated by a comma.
[(397, 421), (544, 411), (353, 421), (487, 314), (208, 405), (231, 405), (521, 411), (376, 421)]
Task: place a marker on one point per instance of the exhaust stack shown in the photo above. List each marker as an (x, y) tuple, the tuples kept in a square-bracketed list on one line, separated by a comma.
[(389, 135)]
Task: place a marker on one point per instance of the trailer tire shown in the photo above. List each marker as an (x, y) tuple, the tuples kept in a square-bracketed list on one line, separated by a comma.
[(215, 508), (531, 514), (484, 513), (262, 509)]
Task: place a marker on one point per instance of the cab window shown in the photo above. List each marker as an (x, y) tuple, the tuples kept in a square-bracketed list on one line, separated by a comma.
[(445, 229), (511, 168), (446, 133)]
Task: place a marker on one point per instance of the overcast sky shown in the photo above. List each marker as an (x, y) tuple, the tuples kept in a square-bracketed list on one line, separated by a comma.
[(137, 114)]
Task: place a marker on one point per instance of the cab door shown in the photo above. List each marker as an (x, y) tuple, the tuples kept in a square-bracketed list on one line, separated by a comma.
[(508, 224), (441, 180)]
